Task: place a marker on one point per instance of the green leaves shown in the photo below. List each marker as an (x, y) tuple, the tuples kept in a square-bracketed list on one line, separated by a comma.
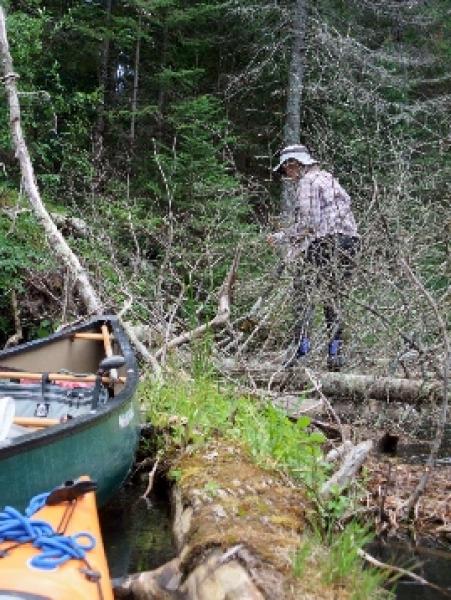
[(20, 249), (203, 410)]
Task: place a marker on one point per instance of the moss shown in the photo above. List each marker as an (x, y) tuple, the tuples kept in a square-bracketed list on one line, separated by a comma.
[(257, 509), (236, 502), (243, 476)]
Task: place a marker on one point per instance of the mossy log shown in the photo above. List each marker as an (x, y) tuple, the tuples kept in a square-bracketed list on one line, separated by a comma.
[(237, 527)]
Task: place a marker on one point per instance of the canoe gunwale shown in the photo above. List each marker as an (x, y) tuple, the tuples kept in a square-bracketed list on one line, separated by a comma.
[(71, 427)]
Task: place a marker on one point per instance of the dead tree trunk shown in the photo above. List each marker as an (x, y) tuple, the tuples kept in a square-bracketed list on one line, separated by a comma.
[(134, 103), (346, 386), (362, 387), (103, 84), (351, 464), (54, 237), (291, 132)]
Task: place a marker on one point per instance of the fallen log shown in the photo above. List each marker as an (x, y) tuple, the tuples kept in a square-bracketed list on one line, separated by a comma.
[(236, 527), (349, 468), (341, 386), (363, 387)]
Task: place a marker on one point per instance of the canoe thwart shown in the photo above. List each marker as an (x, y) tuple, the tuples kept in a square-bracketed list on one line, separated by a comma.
[(90, 336), (36, 421), (54, 377)]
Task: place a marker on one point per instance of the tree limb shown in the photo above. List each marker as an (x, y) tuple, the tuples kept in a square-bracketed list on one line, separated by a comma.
[(430, 463), (377, 563), (222, 314), (55, 239)]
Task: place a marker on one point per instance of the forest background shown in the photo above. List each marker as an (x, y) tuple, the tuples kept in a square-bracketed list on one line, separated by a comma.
[(153, 127)]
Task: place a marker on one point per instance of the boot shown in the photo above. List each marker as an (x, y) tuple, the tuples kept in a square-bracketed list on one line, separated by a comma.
[(302, 349), (335, 360)]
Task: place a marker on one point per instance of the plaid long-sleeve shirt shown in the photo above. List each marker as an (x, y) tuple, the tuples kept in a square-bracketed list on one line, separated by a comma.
[(322, 208)]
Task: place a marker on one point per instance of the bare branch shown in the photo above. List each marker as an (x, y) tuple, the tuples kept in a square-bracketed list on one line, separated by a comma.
[(221, 316), (54, 237)]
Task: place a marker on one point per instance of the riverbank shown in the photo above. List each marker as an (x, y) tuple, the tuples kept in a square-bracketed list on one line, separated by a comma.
[(246, 497)]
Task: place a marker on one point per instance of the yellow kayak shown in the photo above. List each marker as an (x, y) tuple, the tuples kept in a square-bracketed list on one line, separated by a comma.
[(66, 559)]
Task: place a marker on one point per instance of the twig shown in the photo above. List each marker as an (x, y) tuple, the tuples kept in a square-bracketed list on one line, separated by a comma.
[(377, 563), (151, 479), (175, 308), (430, 463), (222, 314), (384, 494), (328, 405)]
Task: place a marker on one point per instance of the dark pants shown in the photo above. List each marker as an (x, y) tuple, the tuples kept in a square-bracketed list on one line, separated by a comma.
[(329, 266)]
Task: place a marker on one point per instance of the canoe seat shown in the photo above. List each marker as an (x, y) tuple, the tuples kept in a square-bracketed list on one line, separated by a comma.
[(51, 400)]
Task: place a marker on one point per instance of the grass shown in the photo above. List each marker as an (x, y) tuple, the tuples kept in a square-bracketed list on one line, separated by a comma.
[(192, 412), (337, 565)]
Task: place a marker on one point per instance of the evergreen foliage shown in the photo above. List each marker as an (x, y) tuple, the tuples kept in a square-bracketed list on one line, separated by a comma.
[(157, 122)]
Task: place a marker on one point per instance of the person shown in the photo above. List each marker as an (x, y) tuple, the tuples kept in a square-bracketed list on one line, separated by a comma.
[(324, 231)]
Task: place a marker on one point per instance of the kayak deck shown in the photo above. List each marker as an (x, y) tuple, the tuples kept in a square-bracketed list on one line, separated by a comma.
[(75, 579)]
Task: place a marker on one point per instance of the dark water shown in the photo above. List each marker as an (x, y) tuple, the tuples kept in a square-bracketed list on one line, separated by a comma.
[(137, 537), (433, 564), (137, 534), (418, 452)]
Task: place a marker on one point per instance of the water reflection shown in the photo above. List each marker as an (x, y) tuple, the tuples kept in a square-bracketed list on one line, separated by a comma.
[(434, 565), (137, 534)]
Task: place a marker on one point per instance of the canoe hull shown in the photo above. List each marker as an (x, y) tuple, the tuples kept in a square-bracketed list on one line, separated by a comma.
[(103, 449), (101, 445)]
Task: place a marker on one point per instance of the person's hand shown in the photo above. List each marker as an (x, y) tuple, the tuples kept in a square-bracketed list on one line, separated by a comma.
[(270, 239)]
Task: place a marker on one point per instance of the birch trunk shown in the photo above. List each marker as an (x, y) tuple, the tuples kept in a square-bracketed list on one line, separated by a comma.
[(54, 237)]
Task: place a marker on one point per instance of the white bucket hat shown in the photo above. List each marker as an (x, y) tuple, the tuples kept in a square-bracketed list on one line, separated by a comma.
[(295, 152)]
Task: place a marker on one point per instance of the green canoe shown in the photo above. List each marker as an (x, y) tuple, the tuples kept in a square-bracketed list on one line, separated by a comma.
[(74, 411)]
